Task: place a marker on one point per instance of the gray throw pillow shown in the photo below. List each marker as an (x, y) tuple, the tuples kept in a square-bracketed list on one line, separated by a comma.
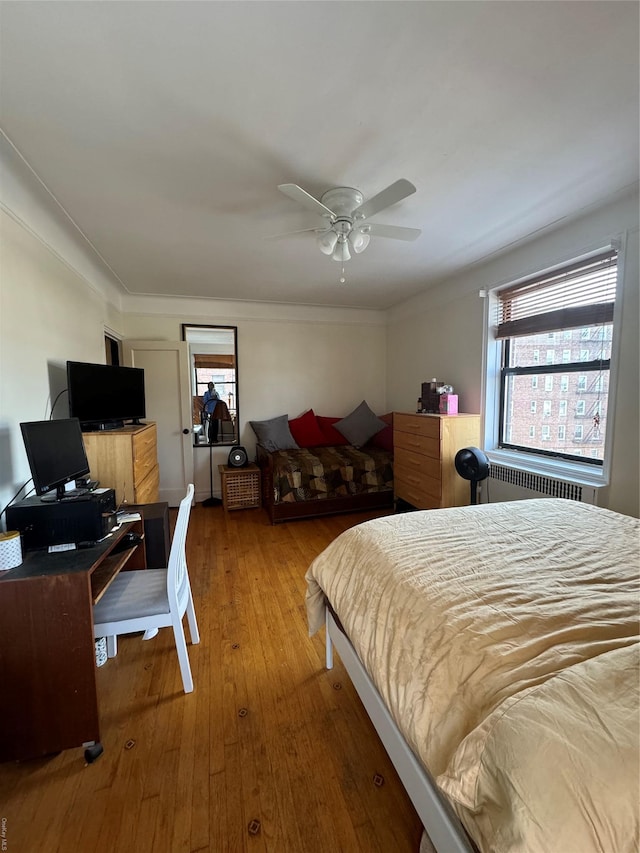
[(361, 425), (274, 434)]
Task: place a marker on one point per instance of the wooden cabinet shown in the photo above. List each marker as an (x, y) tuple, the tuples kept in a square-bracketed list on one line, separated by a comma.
[(126, 460), (424, 449)]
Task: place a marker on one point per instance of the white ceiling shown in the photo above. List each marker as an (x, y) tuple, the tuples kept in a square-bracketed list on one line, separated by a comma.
[(164, 128)]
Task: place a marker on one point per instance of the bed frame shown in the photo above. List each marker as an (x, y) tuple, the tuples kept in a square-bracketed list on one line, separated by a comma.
[(443, 826)]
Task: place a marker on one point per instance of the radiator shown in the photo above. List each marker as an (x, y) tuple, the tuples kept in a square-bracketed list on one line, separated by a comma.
[(511, 484)]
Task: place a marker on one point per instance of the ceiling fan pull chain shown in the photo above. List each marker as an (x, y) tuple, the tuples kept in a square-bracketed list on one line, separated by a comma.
[(342, 278)]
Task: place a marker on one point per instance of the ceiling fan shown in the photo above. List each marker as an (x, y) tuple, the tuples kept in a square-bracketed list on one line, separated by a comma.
[(347, 217)]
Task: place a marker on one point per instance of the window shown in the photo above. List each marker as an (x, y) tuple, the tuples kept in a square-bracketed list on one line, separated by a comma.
[(578, 299), (213, 358), (532, 432), (534, 406)]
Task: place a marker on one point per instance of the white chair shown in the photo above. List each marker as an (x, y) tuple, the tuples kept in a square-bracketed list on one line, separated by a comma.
[(153, 598)]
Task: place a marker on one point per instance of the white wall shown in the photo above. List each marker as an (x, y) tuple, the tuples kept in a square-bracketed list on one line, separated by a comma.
[(440, 332), (55, 300), (290, 359), (47, 316)]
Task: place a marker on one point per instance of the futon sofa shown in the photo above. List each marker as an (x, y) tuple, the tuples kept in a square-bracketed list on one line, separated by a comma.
[(315, 466)]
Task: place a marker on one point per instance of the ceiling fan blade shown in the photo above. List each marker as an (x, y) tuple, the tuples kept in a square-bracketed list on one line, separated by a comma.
[(302, 196), (393, 193), (291, 233), (395, 232)]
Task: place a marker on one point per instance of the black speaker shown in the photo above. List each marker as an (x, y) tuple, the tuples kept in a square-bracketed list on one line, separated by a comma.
[(238, 457)]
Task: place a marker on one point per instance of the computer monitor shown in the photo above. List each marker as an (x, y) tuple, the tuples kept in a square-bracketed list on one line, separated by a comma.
[(56, 454)]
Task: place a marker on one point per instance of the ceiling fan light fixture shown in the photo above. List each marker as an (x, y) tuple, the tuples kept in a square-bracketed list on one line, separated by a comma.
[(341, 252), (327, 241), (359, 241)]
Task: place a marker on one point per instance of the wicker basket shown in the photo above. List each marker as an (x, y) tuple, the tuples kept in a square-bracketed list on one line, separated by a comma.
[(240, 487)]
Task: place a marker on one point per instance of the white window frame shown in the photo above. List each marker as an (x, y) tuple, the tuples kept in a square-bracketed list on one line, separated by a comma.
[(571, 470)]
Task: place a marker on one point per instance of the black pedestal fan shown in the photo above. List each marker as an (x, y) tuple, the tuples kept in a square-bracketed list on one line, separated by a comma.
[(472, 464)]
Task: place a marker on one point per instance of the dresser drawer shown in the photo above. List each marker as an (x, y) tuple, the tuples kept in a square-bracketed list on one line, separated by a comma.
[(144, 454), (417, 497), (417, 424), (416, 443), (410, 478), (421, 465), (146, 491)]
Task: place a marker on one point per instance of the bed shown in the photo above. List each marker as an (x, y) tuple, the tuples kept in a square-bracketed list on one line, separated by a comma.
[(306, 482), (496, 649)]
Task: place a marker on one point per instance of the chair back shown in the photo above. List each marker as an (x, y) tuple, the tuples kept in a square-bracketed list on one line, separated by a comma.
[(177, 575)]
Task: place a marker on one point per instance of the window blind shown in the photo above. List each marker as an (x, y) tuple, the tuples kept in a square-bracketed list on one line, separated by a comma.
[(581, 294)]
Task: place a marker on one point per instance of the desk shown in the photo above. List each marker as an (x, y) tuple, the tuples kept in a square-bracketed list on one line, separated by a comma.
[(47, 648)]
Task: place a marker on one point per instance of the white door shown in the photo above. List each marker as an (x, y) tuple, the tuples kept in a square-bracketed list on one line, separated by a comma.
[(168, 402)]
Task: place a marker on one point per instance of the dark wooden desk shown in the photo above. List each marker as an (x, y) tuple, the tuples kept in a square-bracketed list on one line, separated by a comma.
[(47, 648)]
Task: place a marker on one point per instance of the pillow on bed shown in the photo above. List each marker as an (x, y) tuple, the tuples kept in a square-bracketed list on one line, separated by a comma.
[(384, 438), (331, 435), (274, 434), (306, 430), (361, 425)]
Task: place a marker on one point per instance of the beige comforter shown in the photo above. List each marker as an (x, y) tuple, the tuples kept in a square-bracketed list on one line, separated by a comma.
[(504, 640)]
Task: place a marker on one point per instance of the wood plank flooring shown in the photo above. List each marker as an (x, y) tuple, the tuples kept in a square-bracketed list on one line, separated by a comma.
[(271, 752)]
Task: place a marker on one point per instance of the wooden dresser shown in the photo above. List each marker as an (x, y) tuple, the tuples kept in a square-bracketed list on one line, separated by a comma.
[(424, 449), (126, 460)]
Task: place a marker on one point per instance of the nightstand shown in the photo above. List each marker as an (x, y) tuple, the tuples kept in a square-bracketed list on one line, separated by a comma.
[(240, 486)]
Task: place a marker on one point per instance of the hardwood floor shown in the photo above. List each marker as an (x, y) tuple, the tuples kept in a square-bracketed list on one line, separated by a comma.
[(271, 752)]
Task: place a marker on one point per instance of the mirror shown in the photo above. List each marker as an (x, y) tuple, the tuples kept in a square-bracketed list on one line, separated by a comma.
[(213, 360)]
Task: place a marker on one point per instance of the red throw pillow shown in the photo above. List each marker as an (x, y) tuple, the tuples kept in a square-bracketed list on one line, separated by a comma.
[(331, 434), (306, 430), (384, 438)]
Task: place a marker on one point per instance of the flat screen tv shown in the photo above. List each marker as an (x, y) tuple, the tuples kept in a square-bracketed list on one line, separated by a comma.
[(56, 454), (104, 396)]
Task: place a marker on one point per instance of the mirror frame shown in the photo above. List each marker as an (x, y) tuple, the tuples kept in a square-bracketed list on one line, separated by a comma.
[(236, 436)]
